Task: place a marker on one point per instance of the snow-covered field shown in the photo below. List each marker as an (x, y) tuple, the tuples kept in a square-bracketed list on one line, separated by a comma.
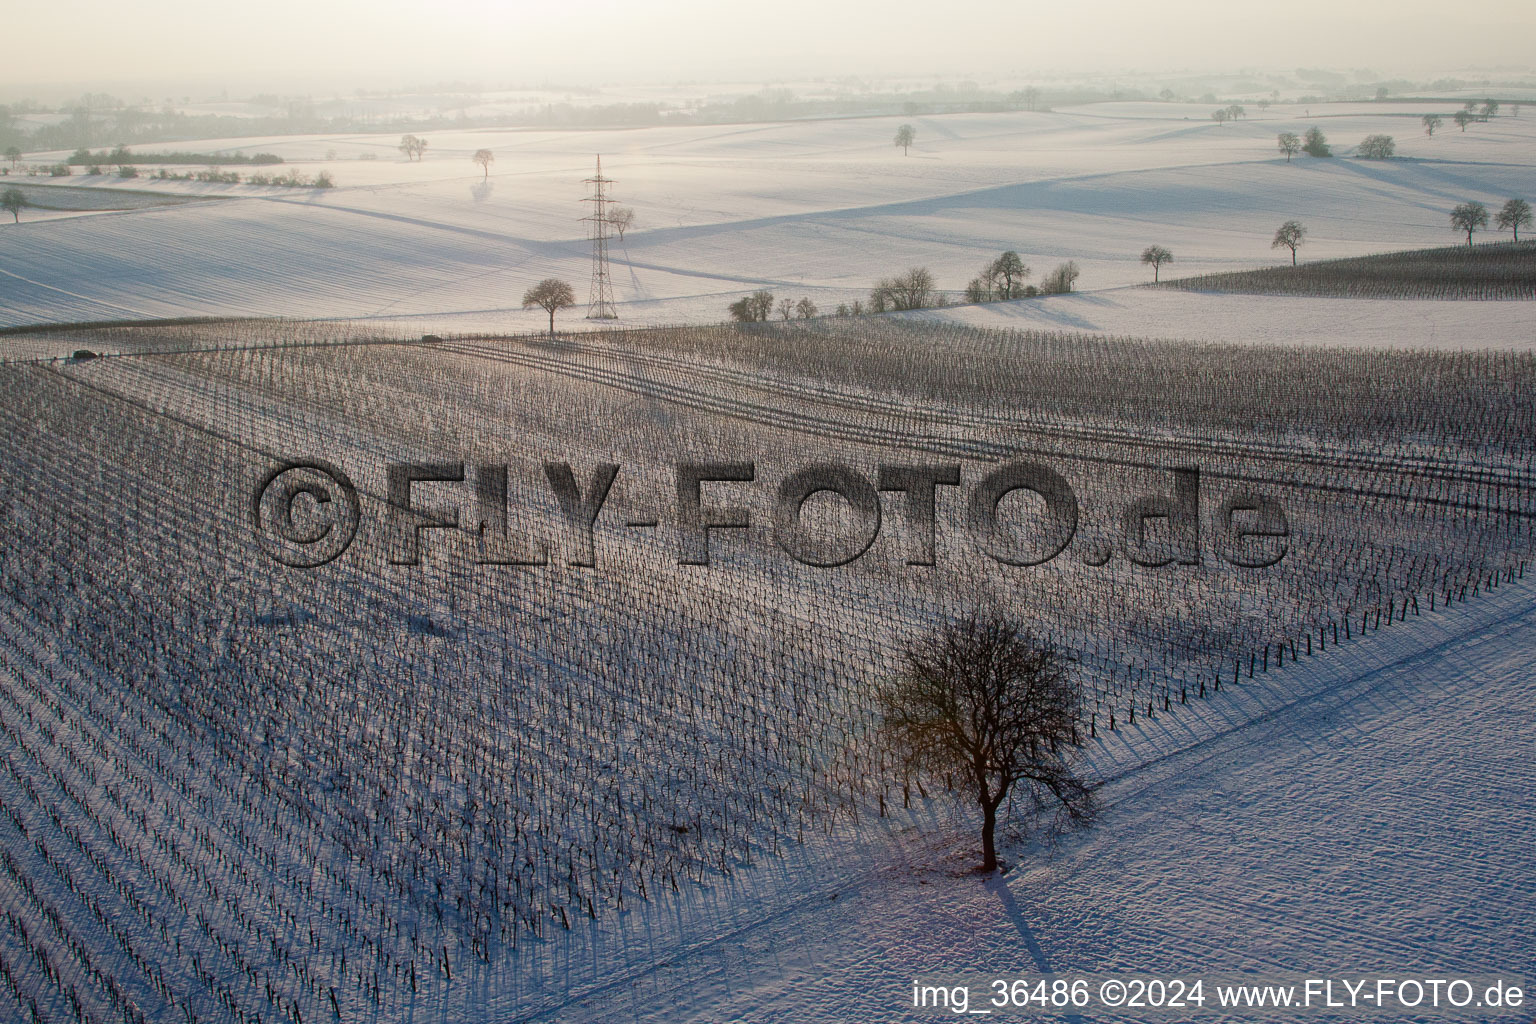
[(376, 793), (815, 208), (1368, 814), (460, 792)]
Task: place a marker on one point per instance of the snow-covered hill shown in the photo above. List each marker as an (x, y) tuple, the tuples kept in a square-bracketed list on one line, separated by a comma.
[(819, 208)]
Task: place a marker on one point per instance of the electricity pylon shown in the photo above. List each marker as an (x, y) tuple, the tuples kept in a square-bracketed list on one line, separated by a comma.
[(600, 298)]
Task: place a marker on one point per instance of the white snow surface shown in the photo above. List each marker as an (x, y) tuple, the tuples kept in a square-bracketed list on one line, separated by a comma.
[(815, 208), (1365, 812)]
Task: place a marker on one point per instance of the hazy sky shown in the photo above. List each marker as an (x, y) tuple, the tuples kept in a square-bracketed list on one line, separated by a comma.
[(293, 43)]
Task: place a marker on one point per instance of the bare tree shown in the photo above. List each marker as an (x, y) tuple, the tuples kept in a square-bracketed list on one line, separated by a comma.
[(621, 219), (1156, 255), (412, 146), (805, 309), (1432, 123), (1012, 271), (1220, 116), (1061, 280), (905, 136), (911, 290), (13, 154), (13, 201), (1377, 147), (1289, 235), (552, 294), (1469, 217), (1514, 215), (786, 308), (762, 303), (1463, 118), (1289, 144), (986, 711), (986, 282), (753, 308), (484, 158), (1490, 109)]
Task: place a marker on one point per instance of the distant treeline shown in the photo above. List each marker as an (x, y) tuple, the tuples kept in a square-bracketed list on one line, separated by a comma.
[(83, 157)]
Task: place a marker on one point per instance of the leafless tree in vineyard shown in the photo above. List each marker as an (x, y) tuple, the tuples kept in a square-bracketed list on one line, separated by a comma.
[(1289, 235), (551, 294), (1156, 256), (1469, 217), (1513, 216), (983, 708)]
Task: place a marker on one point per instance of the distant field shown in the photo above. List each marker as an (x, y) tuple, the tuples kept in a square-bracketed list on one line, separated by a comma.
[(804, 209), (1501, 270)]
